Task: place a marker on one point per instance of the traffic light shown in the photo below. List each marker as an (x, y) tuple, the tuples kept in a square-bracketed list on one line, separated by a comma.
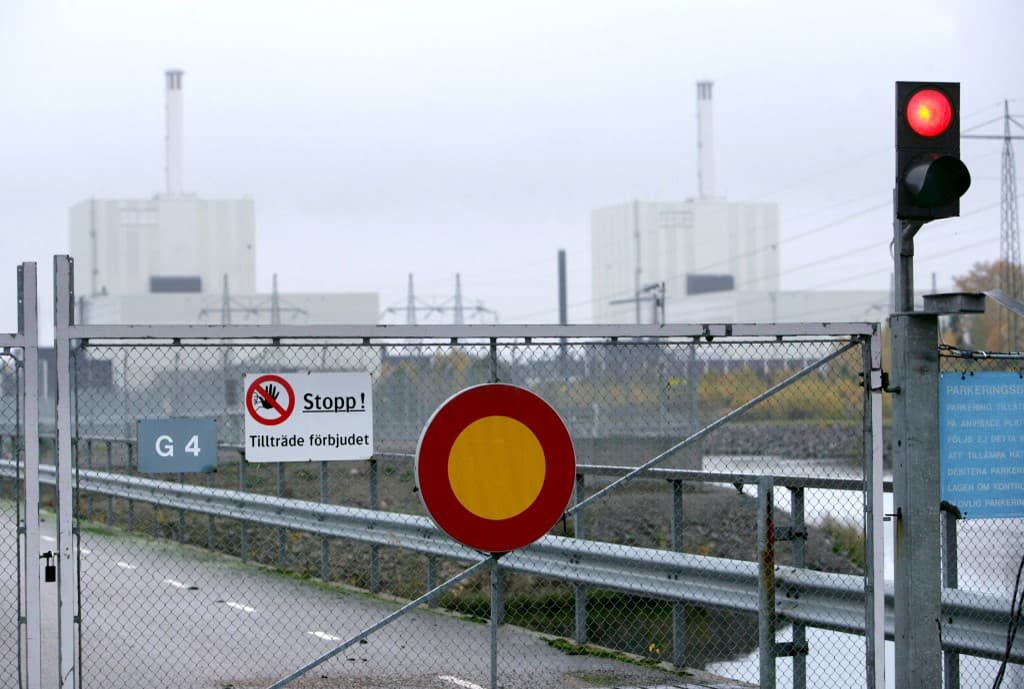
[(930, 177)]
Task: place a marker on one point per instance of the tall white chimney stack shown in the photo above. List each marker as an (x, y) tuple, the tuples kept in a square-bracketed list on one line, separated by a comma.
[(174, 132), (705, 142)]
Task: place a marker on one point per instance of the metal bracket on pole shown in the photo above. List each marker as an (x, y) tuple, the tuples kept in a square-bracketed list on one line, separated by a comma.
[(903, 244), (908, 230)]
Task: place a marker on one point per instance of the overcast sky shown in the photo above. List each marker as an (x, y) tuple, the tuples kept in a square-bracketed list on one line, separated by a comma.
[(383, 138)]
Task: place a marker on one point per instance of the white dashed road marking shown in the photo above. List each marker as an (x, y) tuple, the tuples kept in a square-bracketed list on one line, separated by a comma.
[(239, 606), (125, 565), (176, 584), (464, 683), (325, 636)]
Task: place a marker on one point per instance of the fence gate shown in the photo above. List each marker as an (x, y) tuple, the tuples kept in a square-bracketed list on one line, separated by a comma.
[(238, 576), (20, 607), (726, 522)]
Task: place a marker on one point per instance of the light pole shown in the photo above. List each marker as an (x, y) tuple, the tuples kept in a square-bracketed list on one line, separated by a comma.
[(930, 179)]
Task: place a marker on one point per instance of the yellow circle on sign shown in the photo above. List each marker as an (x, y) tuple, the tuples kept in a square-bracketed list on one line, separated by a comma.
[(496, 467)]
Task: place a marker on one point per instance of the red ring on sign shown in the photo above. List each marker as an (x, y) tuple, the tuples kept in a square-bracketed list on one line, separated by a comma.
[(433, 452), (285, 412)]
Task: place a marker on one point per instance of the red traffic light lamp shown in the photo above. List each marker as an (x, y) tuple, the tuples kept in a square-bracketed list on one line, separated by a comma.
[(929, 112), (930, 177)]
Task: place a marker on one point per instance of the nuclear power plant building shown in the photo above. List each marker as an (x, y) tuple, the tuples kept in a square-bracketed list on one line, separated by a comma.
[(181, 258), (705, 259)]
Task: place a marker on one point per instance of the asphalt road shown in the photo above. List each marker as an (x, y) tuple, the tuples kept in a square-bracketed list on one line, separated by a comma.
[(158, 615)]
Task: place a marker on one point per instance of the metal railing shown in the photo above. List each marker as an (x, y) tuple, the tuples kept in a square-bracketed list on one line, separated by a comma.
[(976, 622)]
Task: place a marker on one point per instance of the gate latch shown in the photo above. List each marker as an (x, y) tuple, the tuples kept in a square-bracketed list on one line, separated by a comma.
[(50, 571)]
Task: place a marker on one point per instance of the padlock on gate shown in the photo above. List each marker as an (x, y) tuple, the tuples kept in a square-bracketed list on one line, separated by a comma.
[(50, 570)]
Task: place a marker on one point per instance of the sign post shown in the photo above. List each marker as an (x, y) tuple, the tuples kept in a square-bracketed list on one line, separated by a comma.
[(495, 468)]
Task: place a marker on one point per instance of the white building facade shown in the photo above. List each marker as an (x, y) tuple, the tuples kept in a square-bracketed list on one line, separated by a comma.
[(177, 244), (692, 247), (184, 259), (177, 258), (704, 260)]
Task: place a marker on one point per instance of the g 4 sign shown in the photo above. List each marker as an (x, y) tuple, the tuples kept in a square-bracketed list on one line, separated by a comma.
[(165, 446), (174, 446)]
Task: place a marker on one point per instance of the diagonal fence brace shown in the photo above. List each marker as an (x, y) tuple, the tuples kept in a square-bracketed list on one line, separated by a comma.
[(738, 411), (487, 562)]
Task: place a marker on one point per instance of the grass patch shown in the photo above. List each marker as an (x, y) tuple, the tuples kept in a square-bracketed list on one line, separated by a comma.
[(573, 649), (847, 540)]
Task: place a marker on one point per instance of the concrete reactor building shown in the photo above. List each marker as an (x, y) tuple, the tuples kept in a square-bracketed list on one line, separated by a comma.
[(179, 258), (703, 260)]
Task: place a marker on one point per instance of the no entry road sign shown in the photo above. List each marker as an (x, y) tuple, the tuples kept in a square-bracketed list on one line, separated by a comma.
[(495, 467), (304, 417)]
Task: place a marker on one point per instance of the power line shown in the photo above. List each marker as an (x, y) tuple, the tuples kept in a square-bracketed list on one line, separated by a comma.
[(1009, 228), (454, 305), (677, 278)]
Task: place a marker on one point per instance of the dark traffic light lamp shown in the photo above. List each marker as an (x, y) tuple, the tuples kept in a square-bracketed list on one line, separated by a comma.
[(930, 177)]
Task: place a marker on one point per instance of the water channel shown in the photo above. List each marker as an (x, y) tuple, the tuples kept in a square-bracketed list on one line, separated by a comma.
[(989, 552)]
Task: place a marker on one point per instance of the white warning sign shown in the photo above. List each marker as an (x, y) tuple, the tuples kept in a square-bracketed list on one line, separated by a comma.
[(306, 417)]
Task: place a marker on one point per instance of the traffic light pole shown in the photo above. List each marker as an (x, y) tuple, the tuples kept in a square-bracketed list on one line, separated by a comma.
[(915, 451), (903, 243)]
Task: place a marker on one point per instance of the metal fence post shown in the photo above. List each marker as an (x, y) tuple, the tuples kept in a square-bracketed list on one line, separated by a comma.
[(155, 524), (325, 556), (692, 384), (280, 531), (497, 613), (88, 464), (374, 550), (243, 485), (110, 468), (181, 514), (766, 580), (874, 509), (28, 321), (493, 360), (211, 534), (5, 484), (950, 659), (580, 591), (431, 579), (131, 503), (799, 533), (678, 608), (67, 567)]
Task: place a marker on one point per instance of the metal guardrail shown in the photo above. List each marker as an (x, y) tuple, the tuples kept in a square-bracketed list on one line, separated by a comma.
[(973, 624)]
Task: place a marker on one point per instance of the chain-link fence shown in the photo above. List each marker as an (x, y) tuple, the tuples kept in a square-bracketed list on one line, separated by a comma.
[(11, 517), (983, 555), (221, 597)]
